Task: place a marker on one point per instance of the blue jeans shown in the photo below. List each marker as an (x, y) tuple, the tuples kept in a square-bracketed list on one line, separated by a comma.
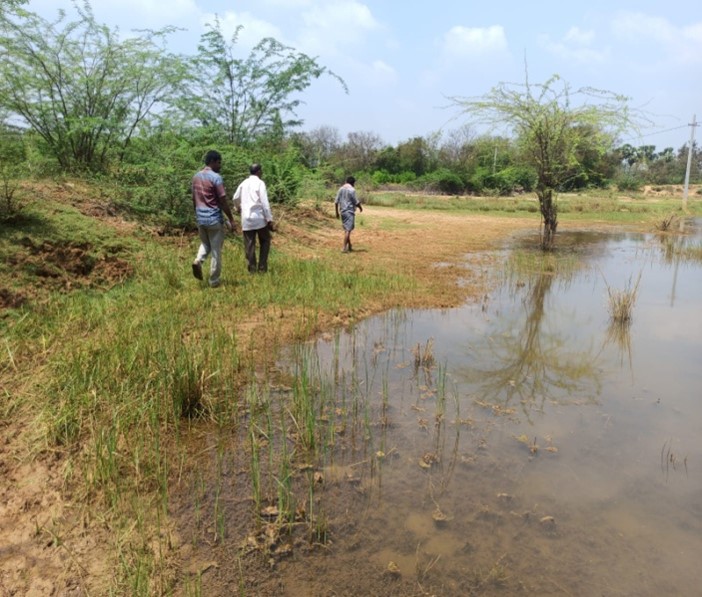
[(211, 241)]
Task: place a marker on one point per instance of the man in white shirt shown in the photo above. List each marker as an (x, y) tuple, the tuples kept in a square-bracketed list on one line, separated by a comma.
[(251, 200)]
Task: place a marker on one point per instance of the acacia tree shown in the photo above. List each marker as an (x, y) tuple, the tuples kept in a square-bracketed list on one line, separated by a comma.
[(78, 86), (553, 126), (7, 5), (247, 98)]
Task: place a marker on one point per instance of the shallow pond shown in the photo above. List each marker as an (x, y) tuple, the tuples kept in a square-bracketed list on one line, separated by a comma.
[(525, 444)]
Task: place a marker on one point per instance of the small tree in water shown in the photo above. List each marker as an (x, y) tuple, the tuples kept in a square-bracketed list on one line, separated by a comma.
[(552, 131)]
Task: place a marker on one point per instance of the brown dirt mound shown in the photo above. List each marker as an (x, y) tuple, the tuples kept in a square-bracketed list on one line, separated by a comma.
[(10, 299), (63, 267)]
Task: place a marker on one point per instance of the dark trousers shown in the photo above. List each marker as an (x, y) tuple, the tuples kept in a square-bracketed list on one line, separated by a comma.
[(264, 240)]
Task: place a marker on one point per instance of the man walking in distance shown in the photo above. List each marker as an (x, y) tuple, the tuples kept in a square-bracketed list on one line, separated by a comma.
[(210, 202), (345, 206), (251, 200)]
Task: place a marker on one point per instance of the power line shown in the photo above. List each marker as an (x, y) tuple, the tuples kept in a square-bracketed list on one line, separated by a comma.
[(675, 128)]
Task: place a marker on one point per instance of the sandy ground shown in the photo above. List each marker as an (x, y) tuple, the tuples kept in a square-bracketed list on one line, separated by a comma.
[(413, 242)]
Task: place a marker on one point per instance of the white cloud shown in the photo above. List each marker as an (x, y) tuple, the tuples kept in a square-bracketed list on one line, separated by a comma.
[(471, 42), (288, 3), (575, 46), (577, 36), (156, 9), (341, 18), (363, 76), (659, 36), (254, 30), (638, 27), (383, 73), (328, 26)]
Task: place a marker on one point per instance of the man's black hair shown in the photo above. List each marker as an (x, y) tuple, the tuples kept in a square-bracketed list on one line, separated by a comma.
[(255, 168), (351, 180), (212, 156)]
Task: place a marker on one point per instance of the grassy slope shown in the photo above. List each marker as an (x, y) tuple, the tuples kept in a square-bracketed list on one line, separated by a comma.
[(108, 340)]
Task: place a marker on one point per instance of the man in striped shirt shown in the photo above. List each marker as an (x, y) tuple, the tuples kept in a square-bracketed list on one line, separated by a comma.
[(210, 202)]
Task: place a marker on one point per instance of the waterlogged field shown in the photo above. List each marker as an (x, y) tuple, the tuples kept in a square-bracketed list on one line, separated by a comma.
[(156, 442), (526, 444)]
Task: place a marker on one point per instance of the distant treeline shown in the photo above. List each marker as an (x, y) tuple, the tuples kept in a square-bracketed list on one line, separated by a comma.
[(77, 100)]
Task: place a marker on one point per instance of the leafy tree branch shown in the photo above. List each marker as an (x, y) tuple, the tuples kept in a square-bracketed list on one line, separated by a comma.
[(252, 97), (82, 89), (555, 127)]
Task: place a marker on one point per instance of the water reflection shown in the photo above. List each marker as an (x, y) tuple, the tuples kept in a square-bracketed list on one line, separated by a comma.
[(619, 336), (681, 248), (527, 362), (505, 448)]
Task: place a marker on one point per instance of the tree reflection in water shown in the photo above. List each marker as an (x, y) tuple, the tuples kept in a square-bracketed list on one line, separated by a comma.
[(529, 363)]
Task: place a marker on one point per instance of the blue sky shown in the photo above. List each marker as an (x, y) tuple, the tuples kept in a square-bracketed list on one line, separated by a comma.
[(402, 59)]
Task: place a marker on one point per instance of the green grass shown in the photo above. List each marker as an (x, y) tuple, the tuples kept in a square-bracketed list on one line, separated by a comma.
[(111, 376), (606, 205), (114, 375)]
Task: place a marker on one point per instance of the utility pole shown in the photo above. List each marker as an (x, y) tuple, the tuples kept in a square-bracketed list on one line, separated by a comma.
[(693, 125)]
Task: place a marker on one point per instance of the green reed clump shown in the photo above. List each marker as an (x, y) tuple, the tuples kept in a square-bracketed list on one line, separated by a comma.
[(188, 385), (666, 223), (284, 481), (621, 301)]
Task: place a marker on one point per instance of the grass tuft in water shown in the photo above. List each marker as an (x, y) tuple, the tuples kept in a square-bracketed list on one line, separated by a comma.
[(666, 223), (621, 302)]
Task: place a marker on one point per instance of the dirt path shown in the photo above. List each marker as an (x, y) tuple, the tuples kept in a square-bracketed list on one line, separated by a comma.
[(52, 545), (413, 242)]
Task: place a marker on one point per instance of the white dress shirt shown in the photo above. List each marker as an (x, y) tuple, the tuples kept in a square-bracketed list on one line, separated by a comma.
[(251, 198)]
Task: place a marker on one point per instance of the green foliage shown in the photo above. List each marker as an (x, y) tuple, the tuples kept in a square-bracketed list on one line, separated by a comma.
[(79, 87), (555, 127), (381, 177), (418, 155), (240, 100), (283, 173), (511, 179), (478, 181), (441, 180), (154, 178), (664, 167), (628, 182), (313, 186), (10, 5), (12, 157)]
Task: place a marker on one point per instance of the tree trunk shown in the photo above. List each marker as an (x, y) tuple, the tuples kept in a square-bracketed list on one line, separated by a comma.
[(549, 218)]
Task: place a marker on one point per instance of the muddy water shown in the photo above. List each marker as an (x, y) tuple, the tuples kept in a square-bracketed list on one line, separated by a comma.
[(525, 444)]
